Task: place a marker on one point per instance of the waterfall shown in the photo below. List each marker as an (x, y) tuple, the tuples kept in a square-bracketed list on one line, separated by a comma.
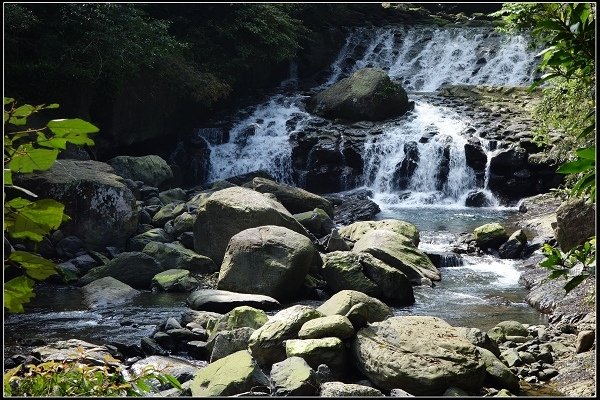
[(422, 59)]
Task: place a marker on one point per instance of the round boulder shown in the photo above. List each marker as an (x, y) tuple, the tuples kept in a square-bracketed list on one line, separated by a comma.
[(491, 235), (152, 169)]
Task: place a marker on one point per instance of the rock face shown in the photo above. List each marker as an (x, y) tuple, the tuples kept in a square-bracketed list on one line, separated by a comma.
[(295, 200), (368, 94), (102, 208), (574, 223), (133, 268), (399, 252), (269, 260), (422, 355), (107, 292), (230, 211), (490, 235), (152, 170), (357, 230), (234, 374), (224, 301), (357, 306)]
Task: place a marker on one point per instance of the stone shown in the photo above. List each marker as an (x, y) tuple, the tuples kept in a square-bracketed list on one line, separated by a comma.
[(150, 347), (328, 350), (368, 94), (107, 292), (316, 222), (269, 260), (331, 326), (172, 255), (490, 235), (241, 317), (399, 393), (167, 213), (455, 392), (267, 342), (477, 198), (175, 280), (340, 389), (183, 223), (223, 301), (75, 349), (198, 349), (392, 284), (511, 358), (230, 211), (172, 195), (479, 338), (342, 270), (513, 328), (398, 252), (234, 374), (498, 375), (354, 209), (111, 212), (357, 230), (357, 306), (227, 342), (138, 242), (513, 247), (182, 370), (151, 169), (294, 199), (133, 268), (335, 242), (293, 377), (84, 263), (584, 341), (574, 223), (422, 355), (206, 319)]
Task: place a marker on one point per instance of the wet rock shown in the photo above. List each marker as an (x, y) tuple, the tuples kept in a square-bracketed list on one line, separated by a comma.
[(490, 235), (107, 291), (167, 213), (132, 268), (224, 301), (174, 280), (513, 247), (355, 209), (477, 198), (406, 168), (316, 222), (150, 347), (138, 242), (174, 256)]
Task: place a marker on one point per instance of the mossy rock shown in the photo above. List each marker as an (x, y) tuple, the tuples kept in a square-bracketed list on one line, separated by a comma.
[(491, 235)]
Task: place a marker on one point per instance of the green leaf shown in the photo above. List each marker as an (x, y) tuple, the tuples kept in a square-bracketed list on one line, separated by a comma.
[(576, 166), (28, 159), (36, 267), (62, 127), (574, 282), (37, 219), (54, 143), (557, 273), (17, 292), (587, 153), (8, 100), (174, 382), (144, 387), (8, 177), (53, 105)]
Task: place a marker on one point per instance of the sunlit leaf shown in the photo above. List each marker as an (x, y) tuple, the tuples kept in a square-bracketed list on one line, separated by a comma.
[(35, 267), (62, 127), (37, 219), (17, 292), (576, 166), (8, 177), (574, 282), (28, 159), (8, 100), (588, 153)]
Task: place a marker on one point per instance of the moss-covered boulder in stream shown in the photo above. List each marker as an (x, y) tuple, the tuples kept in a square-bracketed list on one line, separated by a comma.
[(491, 235), (107, 291), (368, 94), (337, 326), (355, 231), (230, 211), (133, 268), (316, 222), (327, 350), (151, 169), (357, 306), (172, 255), (174, 280), (241, 317)]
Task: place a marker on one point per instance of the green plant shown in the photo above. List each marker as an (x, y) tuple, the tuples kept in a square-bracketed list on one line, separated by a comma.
[(76, 378), (27, 150), (562, 264)]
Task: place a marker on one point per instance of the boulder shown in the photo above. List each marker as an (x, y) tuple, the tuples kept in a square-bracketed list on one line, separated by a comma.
[(269, 260), (294, 199), (171, 255), (227, 342), (168, 212), (574, 223), (175, 280), (75, 349), (328, 350), (293, 377), (337, 326), (172, 195), (138, 242), (513, 247), (355, 209), (107, 292), (152, 170), (479, 338), (230, 211), (368, 94), (392, 284), (497, 374), (512, 328), (491, 235), (357, 230), (183, 223), (420, 354), (180, 369), (102, 209), (509, 161), (399, 252), (234, 374), (316, 222), (267, 342), (224, 301), (477, 198), (133, 268), (340, 389), (343, 270), (334, 242), (241, 317), (406, 168), (357, 306)]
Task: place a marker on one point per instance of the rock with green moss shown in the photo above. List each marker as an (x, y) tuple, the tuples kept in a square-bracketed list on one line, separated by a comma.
[(391, 248), (269, 260), (134, 268), (491, 235), (368, 94), (167, 213), (393, 285), (316, 222), (327, 350), (230, 211), (234, 374), (152, 169), (342, 270), (293, 377), (239, 317), (355, 231), (267, 342), (357, 306), (138, 242), (174, 280), (497, 374), (513, 328), (340, 389), (174, 195), (172, 255), (227, 342), (183, 223), (331, 326)]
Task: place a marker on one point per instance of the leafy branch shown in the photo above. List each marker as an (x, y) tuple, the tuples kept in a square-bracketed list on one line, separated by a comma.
[(562, 265)]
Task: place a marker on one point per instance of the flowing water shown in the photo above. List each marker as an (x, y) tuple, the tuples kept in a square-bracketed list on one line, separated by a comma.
[(480, 292)]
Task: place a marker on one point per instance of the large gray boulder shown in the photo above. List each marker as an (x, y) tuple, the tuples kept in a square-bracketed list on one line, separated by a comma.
[(152, 169), (180, 369), (393, 249), (227, 342), (491, 235), (223, 301), (75, 349), (357, 306), (357, 230), (294, 199), (102, 209), (232, 210), (106, 292), (328, 350), (237, 373), (269, 260), (340, 389), (497, 374), (421, 355), (337, 326), (368, 94), (267, 342), (293, 377), (171, 255), (574, 223), (134, 268)]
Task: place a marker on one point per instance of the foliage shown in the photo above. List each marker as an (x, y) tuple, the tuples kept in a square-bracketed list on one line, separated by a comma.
[(27, 150), (563, 264), (76, 378)]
